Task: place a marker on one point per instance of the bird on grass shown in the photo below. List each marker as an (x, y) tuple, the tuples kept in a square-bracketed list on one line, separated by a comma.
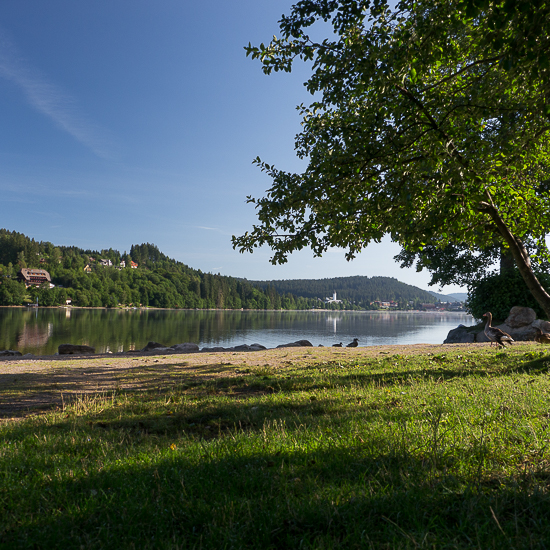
[(542, 337), (353, 344), (494, 334), (337, 345)]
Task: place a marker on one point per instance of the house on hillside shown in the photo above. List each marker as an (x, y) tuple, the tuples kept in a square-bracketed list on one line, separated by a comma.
[(106, 263), (380, 305), (133, 265), (34, 277)]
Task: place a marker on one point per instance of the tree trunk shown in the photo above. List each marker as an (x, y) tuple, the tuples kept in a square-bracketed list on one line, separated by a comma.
[(521, 257)]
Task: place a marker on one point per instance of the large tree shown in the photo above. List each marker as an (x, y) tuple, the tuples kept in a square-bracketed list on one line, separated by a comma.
[(429, 122), (459, 264)]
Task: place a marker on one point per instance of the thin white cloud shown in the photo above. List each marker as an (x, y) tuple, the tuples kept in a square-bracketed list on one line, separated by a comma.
[(28, 191), (216, 229), (49, 99), (35, 189), (47, 214)]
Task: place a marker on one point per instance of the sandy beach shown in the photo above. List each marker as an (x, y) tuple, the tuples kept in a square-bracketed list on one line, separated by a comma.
[(31, 384)]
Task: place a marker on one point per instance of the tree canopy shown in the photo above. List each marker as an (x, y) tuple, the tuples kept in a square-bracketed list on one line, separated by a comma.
[(429, 122)]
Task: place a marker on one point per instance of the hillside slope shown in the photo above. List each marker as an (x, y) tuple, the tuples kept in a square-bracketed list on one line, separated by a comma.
[(106, 278), (358, 290)]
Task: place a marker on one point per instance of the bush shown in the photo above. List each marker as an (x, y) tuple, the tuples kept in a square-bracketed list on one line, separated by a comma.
[(499, 293), (12, 292)]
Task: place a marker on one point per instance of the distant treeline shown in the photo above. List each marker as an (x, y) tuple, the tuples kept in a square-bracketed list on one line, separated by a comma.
[(359, 291), (160, 281)]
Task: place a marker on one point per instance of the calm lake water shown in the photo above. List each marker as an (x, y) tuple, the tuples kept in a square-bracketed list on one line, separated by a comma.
[(40, 331)]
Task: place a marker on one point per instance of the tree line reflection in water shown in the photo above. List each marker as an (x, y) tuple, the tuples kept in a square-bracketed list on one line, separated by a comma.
[(41, 330)]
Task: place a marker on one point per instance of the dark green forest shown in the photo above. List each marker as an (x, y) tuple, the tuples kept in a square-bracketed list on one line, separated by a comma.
[(162, 282), (358, 291)]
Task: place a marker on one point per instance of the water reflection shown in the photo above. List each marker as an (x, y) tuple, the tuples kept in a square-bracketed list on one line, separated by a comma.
[(334, 320), (41, 330), (34, 335)]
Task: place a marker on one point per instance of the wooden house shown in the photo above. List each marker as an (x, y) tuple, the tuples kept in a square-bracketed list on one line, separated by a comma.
[(34, 277)]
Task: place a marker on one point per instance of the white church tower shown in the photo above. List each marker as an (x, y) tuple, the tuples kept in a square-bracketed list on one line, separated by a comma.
[(333, 300)]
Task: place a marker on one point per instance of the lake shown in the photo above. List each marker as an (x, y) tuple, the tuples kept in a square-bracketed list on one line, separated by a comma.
[(40, 330)]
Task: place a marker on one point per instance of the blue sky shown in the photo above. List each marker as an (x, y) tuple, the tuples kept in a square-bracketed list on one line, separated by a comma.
[(130, 122)]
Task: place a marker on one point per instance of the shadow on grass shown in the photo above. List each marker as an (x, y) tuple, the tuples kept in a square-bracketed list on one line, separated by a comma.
[(185, 477), (436, 368), (331, 498), (23, 393)]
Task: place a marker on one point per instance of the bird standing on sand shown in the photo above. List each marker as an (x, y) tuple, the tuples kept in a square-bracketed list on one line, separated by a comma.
[(499, 337), (353, 344), (542, 337), (337, 345)]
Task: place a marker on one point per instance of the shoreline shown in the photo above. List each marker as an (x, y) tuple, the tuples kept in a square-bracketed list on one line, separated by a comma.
[(166, 351), (320, 310), (33, 385)]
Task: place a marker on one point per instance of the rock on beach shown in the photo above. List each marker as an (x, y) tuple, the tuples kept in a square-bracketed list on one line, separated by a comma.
[(521, 325), (157, 348), (74, 349)]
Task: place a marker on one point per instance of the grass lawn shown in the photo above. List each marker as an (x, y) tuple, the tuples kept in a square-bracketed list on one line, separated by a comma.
[(445, 450)]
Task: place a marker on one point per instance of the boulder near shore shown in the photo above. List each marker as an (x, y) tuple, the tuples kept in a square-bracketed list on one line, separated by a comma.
[(521, 324), (189, 347), (73, 349), (156, 348)]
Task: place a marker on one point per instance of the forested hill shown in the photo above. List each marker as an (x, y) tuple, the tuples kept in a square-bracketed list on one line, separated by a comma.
[(157, 281), (357, 290), (145, 276)]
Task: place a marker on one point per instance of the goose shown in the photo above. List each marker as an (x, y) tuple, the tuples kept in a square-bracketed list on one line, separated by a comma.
[(542, 337), (499, 337), (337, 345), (353, 344)]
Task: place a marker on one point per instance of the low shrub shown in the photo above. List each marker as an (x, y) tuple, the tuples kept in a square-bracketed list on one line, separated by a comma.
[(499, 293)]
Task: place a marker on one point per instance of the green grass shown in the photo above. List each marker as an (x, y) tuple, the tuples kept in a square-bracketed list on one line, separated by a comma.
[(434, 451)]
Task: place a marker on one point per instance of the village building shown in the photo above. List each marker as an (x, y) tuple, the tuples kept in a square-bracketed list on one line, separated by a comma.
[(333, 300), (385, 305), (34, 277)]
